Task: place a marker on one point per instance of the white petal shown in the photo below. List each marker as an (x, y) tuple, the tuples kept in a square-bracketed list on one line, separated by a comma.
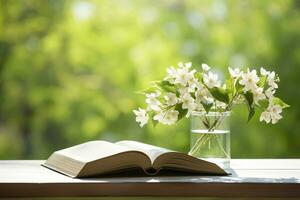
[(180, 64), (188, 65), (205, 67), (264, 72), (265, 116)]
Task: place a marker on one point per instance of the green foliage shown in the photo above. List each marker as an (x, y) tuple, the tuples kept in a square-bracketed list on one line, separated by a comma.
[(207, 105), (219, 94), (262, 81), (263, 104), (239, 87), (278, 101), (198, 76), (230, 88), (249, 98), (166, 86), (147, 91), (251, 110), (182, 112), (69, 69)]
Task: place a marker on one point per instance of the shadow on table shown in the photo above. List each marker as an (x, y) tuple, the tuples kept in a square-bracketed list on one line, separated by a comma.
[(165, 175), (234, 178), (137, 172)]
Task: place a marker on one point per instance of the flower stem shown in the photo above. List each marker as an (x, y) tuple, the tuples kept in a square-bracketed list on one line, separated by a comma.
[(221, 147), (211, 127), (220, 119), (200, 141)]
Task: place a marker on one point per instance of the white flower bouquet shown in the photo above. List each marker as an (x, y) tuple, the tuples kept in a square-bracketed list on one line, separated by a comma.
[(185, 90)]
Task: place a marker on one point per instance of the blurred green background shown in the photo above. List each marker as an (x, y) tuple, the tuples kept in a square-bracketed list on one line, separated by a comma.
[(69, 69)]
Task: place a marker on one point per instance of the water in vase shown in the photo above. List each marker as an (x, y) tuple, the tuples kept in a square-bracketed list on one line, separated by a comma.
[(213, 146)]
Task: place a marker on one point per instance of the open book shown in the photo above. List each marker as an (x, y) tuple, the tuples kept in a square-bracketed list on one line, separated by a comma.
[(101, 157)]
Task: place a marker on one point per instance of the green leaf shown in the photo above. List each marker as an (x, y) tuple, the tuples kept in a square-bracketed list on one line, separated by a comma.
[(262, 81), (251, 113), (263, 104), (182, 112), (239, 87), (147, 91), (207, 106), (219, 94), (278, 101), (154, 122), (249, 98), (193, 95), (230, 87), (166, 83), (199, 76), (166, 86), (251, 109)]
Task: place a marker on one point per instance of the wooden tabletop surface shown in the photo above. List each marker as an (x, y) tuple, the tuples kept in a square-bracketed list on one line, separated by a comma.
[(250, 178)]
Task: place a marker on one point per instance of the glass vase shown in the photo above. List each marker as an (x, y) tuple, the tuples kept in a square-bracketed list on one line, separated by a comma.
[(210, 137)]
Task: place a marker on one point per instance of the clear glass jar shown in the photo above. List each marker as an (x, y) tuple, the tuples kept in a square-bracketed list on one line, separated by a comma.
[(210, 137)]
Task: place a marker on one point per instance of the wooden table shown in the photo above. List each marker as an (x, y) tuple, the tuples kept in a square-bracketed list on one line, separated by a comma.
[(250, 178)]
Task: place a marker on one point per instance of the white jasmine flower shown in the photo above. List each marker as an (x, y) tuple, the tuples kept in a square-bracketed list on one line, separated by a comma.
[(211, 80), (249, 80), (188, 65), (265, 116), (270, 93), (205, 67), (271, 77), (264, 72), (185, 65), (234, 73), (199, 86), (171, 74), (141, 116), (193, 84), (191, 94), (171, 99), (275, 111), (258, 94), (188, 102), (157, 93), (201, 94), (271, 80), (181, 65), (171, 71), (159, 115), (272, 114), (152, 101), (183, 90), (170, 117), (183, 76)]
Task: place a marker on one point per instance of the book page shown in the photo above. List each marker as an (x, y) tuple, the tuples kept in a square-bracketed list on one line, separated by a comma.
[(162, 158), (152, 151), (93, 150)]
